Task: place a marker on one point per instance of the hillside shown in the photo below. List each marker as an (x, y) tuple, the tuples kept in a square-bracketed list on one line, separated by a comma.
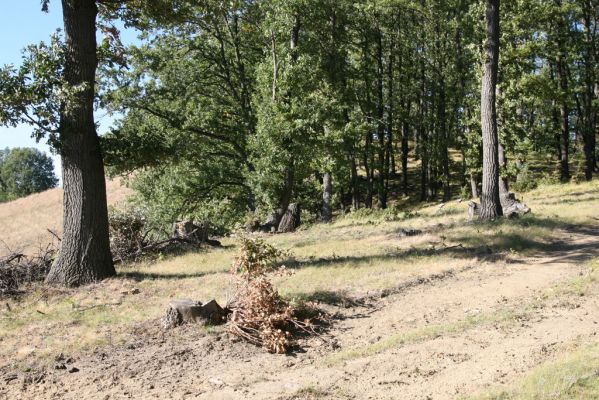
[(24, 222), (503, 310)]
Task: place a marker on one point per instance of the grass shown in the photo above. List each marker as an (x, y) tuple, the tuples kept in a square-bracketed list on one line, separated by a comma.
[(351, 257), (574, 376), (24, 222)]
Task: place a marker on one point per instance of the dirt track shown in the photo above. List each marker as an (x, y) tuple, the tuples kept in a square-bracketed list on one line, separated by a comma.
[(516, 320)]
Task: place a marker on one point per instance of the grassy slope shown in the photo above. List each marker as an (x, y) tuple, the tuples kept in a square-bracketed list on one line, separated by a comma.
[(24, 222), (352, 257)]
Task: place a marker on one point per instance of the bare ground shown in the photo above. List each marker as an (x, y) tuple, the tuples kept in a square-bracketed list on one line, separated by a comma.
[(439, 337)]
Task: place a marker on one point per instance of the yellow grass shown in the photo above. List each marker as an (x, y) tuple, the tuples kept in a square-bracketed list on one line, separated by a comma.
[(24, 222)]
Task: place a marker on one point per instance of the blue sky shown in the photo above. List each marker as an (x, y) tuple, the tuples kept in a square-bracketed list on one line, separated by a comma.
[(21, 23)]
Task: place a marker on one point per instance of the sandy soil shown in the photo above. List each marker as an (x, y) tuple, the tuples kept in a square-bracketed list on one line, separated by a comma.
[(189, 363)]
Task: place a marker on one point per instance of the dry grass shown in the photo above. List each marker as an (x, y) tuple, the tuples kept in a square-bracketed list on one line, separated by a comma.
[(351, 257), (24, 222), (573, 376)]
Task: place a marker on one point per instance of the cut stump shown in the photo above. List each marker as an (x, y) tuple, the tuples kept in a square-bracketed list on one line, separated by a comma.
[(184, 311)]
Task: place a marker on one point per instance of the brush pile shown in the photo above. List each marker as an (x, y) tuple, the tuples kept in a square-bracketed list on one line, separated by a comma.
[(259, 314), (18, 269)]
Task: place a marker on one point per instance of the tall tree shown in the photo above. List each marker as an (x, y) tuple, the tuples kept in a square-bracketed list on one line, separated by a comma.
[(54, 91), (84, 255), (490, 204)]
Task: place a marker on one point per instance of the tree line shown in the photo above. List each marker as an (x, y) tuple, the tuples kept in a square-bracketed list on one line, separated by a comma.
[(230, 108)]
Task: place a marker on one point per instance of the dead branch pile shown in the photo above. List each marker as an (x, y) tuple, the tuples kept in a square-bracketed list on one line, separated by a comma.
[(18, 269), (259, 314), (132, 239)]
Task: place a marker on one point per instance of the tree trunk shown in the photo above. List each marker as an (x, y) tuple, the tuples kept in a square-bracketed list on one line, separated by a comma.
[(354, 182), (405, 149), (291, 219), (327, 193), (84, 255), (504, 187), (490, 203), (564, 113), (380, 130), (473, 186)]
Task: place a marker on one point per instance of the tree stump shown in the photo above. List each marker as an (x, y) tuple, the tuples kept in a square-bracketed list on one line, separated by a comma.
[(512, 208), (291, 219), (184, 311), (473, 210), (196, 232)]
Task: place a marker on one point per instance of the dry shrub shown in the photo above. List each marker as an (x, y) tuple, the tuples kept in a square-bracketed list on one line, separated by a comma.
[(17, 269), (259, 314), (128, 233)]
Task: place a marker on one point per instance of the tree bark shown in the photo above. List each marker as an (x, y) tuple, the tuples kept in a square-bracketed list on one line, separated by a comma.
[(405, 149), (564, 112), (327, 193), (84, 255), (490, 203), (504, 187), (473, 186)]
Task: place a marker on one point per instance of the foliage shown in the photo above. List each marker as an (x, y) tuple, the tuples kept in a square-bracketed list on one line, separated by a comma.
[(243, 106), (256, 259), (24, 171)]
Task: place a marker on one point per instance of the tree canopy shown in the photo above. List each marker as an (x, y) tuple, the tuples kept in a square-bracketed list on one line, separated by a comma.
[(24, 171)]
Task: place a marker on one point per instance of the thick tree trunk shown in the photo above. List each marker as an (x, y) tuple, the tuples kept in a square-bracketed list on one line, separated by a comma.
[(84, 255), (327, 194), (490, 203)]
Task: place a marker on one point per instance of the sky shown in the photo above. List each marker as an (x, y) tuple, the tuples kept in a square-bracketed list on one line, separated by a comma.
[(21, 23)]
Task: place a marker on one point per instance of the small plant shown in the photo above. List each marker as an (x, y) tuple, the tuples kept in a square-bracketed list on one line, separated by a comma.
[(259, 314), (256, 258)]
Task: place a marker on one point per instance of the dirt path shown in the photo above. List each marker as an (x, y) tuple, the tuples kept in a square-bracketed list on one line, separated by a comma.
[(482, 325)]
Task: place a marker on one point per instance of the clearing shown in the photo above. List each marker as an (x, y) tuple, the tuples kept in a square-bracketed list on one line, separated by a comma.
[(500, 310)]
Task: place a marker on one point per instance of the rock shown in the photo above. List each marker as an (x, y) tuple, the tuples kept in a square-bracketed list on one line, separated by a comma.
[(188, 311), (216, 382), (60, 366), (73, 370)]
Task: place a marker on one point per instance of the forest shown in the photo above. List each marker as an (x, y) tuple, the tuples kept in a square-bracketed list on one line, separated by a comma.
[(466, 128)]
